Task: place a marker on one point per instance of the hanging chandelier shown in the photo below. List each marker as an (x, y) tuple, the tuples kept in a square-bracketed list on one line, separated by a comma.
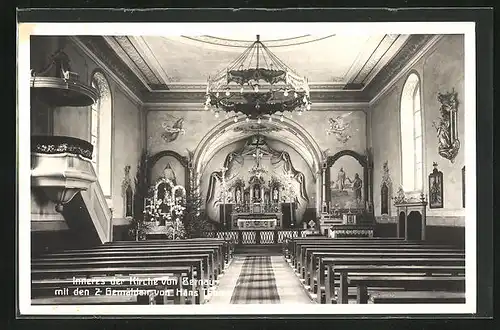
[(257, 84)]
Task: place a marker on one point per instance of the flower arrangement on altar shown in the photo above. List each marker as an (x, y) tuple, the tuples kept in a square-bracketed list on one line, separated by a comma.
[(154, 210), (166, 209)]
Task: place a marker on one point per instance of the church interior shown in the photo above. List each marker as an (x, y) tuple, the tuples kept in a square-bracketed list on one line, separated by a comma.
[(268, 170)]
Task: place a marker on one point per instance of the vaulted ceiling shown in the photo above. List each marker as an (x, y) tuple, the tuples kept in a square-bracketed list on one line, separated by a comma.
[(340, 68)]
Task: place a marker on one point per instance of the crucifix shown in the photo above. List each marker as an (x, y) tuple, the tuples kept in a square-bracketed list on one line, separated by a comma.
[(257, 155)]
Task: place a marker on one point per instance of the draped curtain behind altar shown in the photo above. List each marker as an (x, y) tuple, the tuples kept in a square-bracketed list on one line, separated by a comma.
[(278, 159)]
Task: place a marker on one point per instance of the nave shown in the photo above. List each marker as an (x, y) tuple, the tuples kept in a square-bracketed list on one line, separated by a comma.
[(208, 271)]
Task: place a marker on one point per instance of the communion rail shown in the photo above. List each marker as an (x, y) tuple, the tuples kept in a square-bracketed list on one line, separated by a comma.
[(257, 237)]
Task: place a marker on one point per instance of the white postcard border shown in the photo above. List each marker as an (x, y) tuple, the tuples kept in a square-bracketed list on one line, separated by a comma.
[(25, 30)]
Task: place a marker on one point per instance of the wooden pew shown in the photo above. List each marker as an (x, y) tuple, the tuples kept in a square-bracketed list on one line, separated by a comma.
[(313, 255), (41, 289), (115, 267), (143, 251), (61, 277), (289, 246), (427, 283), (147, 260), (227, 248), (301, 258), (209, 267), (326, 241), (331, 263), (418, 297), (351, 243), (205, 257), (346, 271), (316, 268)]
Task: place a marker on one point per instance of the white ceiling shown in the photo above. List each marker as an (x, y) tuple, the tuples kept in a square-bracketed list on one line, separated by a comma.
[(336, 59)]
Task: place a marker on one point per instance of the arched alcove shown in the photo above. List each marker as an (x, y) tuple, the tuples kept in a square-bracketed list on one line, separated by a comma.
[(175, 163), (287, 130), (277, 160)]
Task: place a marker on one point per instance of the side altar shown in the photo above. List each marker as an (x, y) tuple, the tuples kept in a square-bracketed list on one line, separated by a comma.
[(164, 209)]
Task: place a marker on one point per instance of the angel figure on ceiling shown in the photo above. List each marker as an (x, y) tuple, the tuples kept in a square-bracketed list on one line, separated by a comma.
[(339, 128), (172, 131)]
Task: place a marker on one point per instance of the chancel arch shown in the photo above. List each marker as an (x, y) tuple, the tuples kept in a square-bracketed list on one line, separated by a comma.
[(221, 135), (269, 173)]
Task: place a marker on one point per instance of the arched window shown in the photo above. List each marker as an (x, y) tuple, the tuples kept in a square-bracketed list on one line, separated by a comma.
[(100, 132), (411, 135)]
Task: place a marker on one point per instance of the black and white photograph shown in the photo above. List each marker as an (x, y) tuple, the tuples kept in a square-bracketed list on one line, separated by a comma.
[(211, 168)]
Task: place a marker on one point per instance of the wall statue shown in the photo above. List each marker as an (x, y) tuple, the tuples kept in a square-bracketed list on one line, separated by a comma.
[(446, 127)]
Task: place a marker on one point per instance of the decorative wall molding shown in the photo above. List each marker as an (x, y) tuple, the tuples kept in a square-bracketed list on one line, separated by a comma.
[(375, 57), (419, 50), (191, 106), (108, 61), (115, 45)]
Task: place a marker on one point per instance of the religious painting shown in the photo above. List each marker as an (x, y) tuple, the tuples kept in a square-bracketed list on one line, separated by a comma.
[(170, 168), (436, 188), (463, 186), (385, 190), (127, 193), (346, 183)]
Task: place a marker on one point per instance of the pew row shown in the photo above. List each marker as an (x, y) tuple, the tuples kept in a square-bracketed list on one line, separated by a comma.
[(326, 267), (199, 262)]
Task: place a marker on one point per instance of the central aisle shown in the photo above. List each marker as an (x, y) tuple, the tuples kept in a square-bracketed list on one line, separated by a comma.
[(259, 279)]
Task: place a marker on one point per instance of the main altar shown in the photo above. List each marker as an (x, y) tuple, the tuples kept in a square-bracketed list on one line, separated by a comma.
[(256, 206)]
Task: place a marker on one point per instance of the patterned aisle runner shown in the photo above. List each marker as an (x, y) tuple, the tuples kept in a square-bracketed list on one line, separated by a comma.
[(256, 283)]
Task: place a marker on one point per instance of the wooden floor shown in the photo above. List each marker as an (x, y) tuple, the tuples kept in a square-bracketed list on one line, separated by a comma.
[(261, 279)]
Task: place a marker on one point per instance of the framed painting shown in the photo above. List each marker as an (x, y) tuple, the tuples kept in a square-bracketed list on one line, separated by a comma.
[(436, 188)]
